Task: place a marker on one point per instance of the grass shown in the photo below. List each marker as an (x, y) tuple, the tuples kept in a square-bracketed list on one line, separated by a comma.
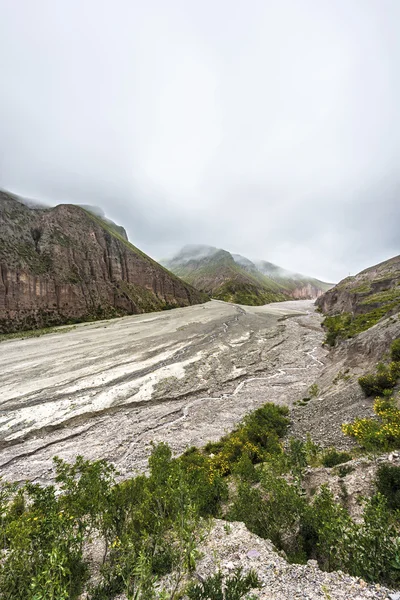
[(383, 297), (346, 325), (245, 293), (33, 333)]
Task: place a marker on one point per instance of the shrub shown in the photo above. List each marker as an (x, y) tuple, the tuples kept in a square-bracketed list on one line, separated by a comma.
[(332, 457), (388, 484), (377, 434), (313, 390), (395, 351), (384, 379), (257, 437), (272, 511), (235, 587), (344, 470)]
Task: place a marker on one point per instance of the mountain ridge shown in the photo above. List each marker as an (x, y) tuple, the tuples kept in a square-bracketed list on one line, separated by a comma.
[(235, 278)]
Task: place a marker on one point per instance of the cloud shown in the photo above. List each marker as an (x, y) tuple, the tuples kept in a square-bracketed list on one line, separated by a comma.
[(267, 128)]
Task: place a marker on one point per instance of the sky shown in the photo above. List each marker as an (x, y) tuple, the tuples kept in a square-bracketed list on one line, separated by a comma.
[(269, 128)]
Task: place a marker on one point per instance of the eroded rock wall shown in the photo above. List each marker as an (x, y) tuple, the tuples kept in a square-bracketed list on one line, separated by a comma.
[(64, 264)]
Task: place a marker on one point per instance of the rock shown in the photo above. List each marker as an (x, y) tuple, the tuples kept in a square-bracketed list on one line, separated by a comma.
[(253, 554), (65, 263)]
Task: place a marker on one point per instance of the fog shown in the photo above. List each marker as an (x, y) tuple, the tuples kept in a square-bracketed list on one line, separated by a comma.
[(269, 128)]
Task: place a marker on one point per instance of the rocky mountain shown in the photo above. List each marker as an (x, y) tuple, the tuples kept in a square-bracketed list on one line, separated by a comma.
[(235, 278), (67, 264), (217, 273), (359, 302)]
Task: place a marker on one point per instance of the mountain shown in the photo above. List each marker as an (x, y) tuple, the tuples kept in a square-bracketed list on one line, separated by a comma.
[(216, 272), (67, 264), (296, 285), (357, 303), (235, 278)]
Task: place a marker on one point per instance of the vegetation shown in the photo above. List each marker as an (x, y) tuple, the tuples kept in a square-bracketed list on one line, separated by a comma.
[(383, 380), (246, 293), (388, 484), (152, 524), (382, 433), (34, 333), (331, 457), (322, 528), (346, 325), (215, 588), (395, 351)]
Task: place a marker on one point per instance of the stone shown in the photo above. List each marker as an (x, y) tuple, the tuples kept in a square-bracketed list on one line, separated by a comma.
[(253, 554)]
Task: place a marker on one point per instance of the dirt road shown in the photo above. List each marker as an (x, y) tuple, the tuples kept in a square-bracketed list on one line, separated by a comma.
[(107, 389)]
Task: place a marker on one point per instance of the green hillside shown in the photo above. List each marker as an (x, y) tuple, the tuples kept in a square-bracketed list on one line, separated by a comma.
[(235, 278)]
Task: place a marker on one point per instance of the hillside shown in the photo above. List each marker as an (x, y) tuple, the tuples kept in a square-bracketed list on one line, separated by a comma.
[(66, 264), (216, 272), (235, 278), (295, 284), (359, 302)]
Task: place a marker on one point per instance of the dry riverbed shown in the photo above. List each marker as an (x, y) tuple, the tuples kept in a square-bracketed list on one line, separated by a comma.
[(185, 376)]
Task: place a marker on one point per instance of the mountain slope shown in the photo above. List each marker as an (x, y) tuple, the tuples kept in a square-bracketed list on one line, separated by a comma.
[(359, 302), (296, 285), (235, 278), (65, 264), (216, 272)]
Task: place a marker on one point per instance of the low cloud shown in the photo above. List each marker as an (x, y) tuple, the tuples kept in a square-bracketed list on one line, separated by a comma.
[(270, 129)]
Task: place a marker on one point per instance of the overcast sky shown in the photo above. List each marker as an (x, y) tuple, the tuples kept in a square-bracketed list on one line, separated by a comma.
[(269, 128)]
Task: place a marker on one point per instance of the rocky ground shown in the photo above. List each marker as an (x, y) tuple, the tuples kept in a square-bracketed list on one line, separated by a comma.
[(183, 376), (231, 545), (227, 546)]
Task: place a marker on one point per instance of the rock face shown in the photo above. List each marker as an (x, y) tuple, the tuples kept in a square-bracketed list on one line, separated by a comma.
[(374, 288), (66, 264)]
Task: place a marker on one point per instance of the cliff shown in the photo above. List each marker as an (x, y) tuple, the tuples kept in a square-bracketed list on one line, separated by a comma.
[(66, 264), (360, 302), (373, 288)]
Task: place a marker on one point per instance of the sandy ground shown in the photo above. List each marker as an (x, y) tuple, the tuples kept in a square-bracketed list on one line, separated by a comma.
[(109, 388)]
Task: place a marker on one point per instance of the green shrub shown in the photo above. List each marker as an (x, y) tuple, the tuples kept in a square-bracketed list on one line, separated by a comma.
[(378, 434), (395, 351), (344, 470), (272, 511), (214, 587), (346, 325), (384, 379), (388, 484), (332, 457), (257, 437), (313, 391)]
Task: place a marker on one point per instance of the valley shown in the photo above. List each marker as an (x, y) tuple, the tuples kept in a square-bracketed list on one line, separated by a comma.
[(109, 388)]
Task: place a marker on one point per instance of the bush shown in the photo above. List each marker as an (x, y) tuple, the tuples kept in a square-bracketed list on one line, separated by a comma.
[(272, 511), (332, 457), (257, 437), (395, 351), (388, 484), (384, 379), (235, 587), (382, 433)]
